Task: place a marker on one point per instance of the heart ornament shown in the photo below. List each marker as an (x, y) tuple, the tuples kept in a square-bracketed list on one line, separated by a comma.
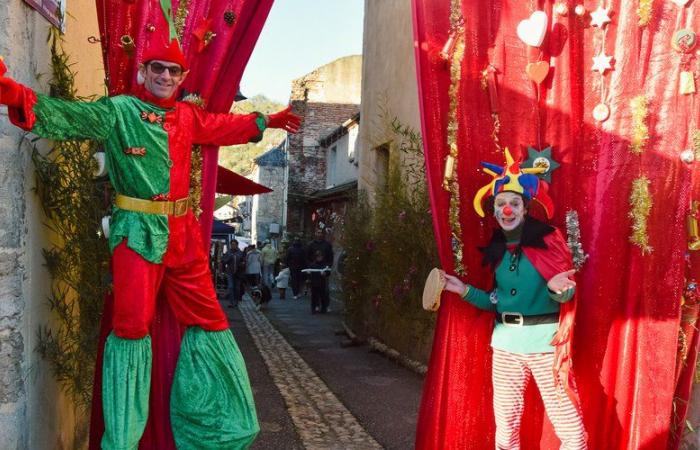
[(681, 2), (537, 71), (532, 31)]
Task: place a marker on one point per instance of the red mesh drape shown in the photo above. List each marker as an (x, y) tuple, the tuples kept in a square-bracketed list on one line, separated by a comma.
[(629, 308), (215, 73)]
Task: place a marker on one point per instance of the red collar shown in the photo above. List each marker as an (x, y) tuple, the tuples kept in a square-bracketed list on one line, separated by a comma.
[(165, 103)]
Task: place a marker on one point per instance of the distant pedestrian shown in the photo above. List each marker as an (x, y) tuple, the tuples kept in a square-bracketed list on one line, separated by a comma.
[(234, 264), (282, 281), (269, 258), (320, 246), (318, 274), (253, 266), (296, 261)]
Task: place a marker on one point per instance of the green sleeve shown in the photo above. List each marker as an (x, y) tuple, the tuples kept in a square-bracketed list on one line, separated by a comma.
[(564, 297), (480, 299), (60, 119)]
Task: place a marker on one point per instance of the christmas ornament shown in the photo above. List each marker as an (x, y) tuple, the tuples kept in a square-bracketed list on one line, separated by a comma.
[(693, 229), (533, 30), (150, 28), (229, 17), (687, 83), (204, 34), (541, 160), (601, 62), (600, 17), (601, 112), (684, 41), (561, 9), (537, 71), (688, 156), (680, 3), (580, 10), (127, 44)]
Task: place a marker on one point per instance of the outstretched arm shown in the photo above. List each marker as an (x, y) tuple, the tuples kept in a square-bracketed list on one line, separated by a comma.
[(55, 118), (475, 296), (232, 129)]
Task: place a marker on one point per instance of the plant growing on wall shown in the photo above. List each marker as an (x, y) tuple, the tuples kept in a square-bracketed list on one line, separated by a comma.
[(390, 248), (74, 203)]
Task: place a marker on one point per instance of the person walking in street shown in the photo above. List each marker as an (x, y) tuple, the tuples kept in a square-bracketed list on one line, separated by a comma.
[(268, 256), (296, 261), (156, 246), (253, 266), (282, 281), (533, 298), (318, 275), (234, 263), (322, 246)]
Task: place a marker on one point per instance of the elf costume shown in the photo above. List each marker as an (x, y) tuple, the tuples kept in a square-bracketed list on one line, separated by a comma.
[(532, 333), (156, 249)]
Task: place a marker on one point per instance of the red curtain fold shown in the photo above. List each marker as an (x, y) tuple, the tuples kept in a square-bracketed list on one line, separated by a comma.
[(627, 324), (215, 75)]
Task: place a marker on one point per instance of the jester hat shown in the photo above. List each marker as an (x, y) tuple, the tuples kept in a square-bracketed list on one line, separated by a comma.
[(513, 178)]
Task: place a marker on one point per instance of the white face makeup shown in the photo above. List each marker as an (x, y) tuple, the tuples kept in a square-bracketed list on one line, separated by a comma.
[(509, 210)]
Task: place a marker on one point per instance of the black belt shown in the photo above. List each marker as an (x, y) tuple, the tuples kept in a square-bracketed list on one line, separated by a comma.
[(515, 319)]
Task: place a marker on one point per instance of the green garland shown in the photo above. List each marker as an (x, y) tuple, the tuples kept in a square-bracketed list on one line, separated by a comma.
[(78, 262)]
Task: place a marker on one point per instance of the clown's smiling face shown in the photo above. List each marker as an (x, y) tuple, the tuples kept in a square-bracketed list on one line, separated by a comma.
[(162, 78), (509, 210)]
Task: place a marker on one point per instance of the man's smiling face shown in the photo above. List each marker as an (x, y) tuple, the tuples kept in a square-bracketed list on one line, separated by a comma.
[(162, 78), (509, 210)]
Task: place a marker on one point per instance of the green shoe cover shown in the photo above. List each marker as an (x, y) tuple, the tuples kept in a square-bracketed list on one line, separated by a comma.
[(126, 382), (211, 404)]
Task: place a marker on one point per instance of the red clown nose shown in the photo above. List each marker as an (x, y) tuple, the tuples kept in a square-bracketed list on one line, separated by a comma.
[(507, 211)]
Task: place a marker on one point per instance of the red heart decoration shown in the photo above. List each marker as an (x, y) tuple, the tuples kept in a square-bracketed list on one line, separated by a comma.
[(537, 71)]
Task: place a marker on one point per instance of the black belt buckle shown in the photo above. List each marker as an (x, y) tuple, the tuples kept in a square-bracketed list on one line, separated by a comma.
[(512, 319)]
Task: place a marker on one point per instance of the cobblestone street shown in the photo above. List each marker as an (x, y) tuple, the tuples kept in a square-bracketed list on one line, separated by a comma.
[(312, 392)]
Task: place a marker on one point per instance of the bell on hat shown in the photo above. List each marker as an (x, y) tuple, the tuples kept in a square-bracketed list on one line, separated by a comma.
[(513, 178)]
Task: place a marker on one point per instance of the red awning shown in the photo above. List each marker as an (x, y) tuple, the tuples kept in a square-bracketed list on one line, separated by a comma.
[(228, 182)]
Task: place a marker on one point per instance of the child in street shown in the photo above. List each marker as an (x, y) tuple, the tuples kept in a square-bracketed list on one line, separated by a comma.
[(282, 281)]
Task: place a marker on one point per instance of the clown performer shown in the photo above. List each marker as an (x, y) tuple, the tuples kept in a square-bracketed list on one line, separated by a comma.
[(157, 249), (533, 301)]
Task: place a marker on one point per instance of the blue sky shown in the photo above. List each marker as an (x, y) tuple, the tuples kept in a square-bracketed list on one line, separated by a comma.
[(299, 36)]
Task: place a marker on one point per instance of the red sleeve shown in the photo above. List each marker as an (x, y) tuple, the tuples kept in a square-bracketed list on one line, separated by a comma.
[(554, 259), (224, 129), (23, 116)]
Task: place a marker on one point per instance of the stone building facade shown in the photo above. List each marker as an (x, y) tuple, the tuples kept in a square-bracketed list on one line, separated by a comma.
[(389, 87), (326, 98), (34, 412), (267, 214)]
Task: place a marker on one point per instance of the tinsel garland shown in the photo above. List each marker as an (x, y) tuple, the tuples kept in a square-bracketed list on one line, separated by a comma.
[(641, 203), (573, 234), (451, 180), (696, 144), (640, 130), (644, 11), (181, 16), (196, 162)]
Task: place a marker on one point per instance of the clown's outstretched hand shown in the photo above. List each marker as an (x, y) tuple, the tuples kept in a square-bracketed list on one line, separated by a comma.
[(10, 90), (285, 120)]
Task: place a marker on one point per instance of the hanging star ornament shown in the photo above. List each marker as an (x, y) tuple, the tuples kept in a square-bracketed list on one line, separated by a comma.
[(541, 159), (601, 63), (600, 17)]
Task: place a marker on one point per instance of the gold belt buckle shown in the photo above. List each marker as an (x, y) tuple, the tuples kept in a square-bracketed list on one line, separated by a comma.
[(180, 207)]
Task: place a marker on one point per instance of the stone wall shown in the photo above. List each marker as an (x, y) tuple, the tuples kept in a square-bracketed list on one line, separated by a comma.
[(268, 207)]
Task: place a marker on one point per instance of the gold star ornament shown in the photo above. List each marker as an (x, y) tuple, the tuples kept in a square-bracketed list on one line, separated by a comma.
[(601, 63), (600, 17)]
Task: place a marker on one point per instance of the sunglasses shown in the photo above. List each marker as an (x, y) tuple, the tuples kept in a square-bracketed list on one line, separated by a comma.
[(158, 68)]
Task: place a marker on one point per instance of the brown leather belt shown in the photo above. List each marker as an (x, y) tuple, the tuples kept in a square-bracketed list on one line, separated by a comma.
[(177, 208)]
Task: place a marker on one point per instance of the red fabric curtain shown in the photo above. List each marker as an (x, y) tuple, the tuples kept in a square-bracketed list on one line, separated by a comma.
[(215, 74), (626, 341)]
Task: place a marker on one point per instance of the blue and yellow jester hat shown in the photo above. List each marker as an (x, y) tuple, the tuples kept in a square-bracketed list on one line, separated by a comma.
[(513, 178)]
